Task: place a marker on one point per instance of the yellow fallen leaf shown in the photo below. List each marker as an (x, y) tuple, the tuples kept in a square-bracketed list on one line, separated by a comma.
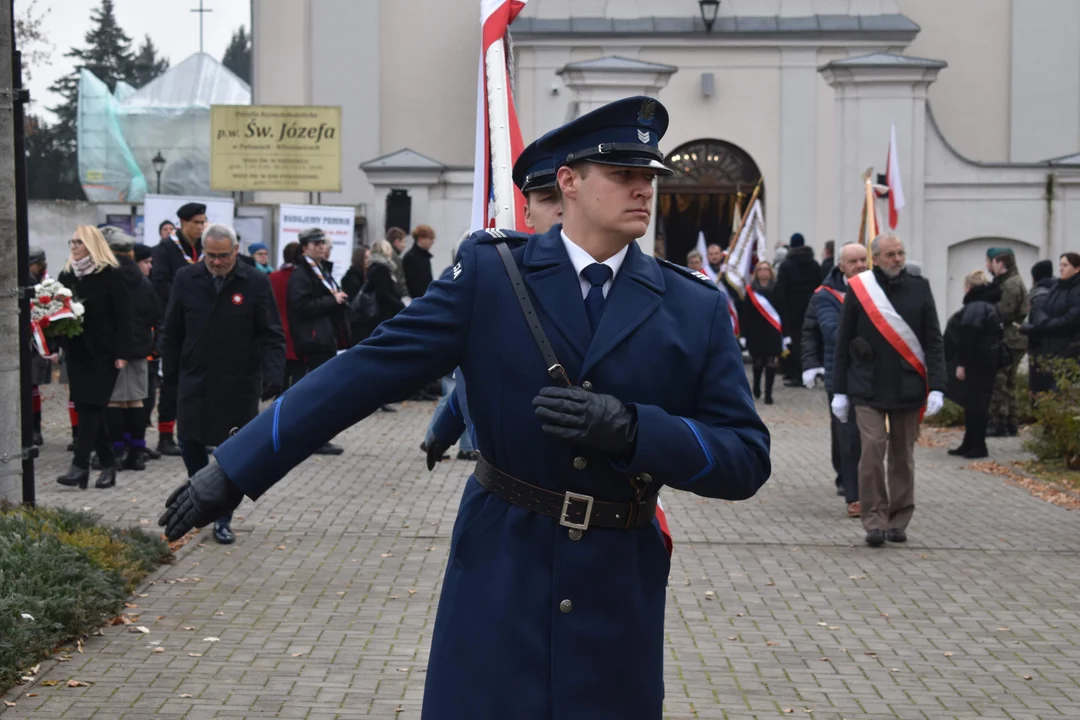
[(79, 645), (770, 643), (219, 613), (159, 649), (50, 683), (823, 624), (948, 654), (130, 605), (77, 683), (386, 555), (31, 694), (1027, 677), (194, 654), (733, 637), (189, 627), (299, 654), (211, 639), (185, 695), (9, 703)]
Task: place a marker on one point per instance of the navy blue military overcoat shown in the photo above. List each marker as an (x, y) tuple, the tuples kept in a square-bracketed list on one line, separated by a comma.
[(533, 624)]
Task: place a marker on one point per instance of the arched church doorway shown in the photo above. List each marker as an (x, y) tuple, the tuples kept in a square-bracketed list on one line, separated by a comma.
[(701, 195)]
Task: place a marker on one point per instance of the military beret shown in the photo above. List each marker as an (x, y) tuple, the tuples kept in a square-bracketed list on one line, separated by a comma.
[(797, 240), (186, 212), (534, 169), (37, 254), (141, 252), (311, 235), (995, 251), (625, 133)]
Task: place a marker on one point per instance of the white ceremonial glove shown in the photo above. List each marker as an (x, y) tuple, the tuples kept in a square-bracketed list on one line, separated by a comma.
[(742, 342), (809, 376), (787, 343), (840, 407), (934, 402)]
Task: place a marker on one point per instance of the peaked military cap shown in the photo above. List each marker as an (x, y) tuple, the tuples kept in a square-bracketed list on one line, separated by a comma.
[(625, 133), (534, 169), (190, 210)]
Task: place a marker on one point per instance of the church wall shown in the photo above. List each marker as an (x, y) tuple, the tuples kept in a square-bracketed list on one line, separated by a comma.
[(972, 96)]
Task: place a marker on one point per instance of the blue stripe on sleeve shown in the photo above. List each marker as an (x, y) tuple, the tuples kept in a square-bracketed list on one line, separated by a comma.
[(711, 463), (277, 415)]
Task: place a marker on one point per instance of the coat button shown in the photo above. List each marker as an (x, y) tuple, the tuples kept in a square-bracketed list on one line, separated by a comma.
[(575, 534), (566, 606), (586, 386), (645, 477), (580, 463)]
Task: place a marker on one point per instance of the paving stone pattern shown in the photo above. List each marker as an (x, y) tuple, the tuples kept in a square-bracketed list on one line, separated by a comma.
[(324, 607)]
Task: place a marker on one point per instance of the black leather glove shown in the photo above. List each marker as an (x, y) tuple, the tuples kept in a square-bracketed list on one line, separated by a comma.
[(598, 421), (270, 391), (208, 495), (435, 451)]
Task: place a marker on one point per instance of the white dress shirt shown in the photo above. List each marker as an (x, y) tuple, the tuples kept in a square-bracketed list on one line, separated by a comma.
[(582, 260)]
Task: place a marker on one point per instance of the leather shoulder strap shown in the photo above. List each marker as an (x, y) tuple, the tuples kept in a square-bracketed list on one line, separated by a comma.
[(555, 371)]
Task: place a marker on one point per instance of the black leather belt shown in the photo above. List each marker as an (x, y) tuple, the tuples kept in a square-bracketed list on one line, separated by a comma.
[(572, 510)]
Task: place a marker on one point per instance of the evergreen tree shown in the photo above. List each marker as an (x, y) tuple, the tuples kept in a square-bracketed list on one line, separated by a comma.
[(238, 55), (51, 171), (147, 65)]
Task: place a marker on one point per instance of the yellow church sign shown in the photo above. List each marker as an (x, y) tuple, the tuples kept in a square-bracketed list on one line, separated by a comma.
[(275, 147)]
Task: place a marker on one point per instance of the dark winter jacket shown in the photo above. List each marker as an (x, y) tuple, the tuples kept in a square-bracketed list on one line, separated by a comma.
[(1057, 323), (974, 340), (168, 260), (221, 349), (820, 323), (146, 313), (418, 275), (827, 266), (1013, 308), (380, 281), (317, 321), (106, 337), (762, 338), (796, 280), (352, 281), (868, 370), (1037, 298)]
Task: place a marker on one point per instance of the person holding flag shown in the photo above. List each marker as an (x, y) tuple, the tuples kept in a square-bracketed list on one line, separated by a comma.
[(762, 329)]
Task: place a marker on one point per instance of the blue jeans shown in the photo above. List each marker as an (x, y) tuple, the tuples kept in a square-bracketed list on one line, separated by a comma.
[(449, 383), (195, 459)]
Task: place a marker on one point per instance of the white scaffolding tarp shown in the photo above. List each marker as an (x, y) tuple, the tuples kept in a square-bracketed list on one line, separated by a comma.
[(119, 133)]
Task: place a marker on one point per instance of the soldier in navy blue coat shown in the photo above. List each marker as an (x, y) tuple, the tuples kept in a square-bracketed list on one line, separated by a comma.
[(553, 600)]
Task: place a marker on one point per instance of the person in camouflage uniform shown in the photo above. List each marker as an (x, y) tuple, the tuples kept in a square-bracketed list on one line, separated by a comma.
[(1001, 263)]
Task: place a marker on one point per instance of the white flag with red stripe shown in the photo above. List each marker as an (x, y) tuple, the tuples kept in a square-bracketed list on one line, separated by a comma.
[(892, 178), (496, 200)]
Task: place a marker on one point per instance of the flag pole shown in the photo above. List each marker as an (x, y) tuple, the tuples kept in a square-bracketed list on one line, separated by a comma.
[(869, 224), (742, 220)]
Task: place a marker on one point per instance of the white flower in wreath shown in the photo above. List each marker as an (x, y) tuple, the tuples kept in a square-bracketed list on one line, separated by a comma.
[(78, 309), (63, 292)]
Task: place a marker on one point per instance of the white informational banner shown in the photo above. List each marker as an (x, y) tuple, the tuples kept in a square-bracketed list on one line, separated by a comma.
[(157, 208), (250, 230), (336, 221)]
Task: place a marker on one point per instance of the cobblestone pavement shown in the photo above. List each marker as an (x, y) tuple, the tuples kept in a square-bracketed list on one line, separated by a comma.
[(324, 607)]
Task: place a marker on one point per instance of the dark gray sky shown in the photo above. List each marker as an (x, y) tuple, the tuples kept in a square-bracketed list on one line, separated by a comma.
[(170, 23)]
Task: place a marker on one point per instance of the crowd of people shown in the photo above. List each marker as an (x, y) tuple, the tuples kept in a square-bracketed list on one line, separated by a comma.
[(204, 333), (880, 351)]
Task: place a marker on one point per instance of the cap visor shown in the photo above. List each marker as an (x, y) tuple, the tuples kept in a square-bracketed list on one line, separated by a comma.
[(634, 162)]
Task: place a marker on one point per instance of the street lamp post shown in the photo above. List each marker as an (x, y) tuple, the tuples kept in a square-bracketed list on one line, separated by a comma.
[(709, 10), (159, 166)]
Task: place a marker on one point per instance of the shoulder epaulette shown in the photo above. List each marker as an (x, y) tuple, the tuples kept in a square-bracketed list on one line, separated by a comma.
[(687, 272), (495, 235)]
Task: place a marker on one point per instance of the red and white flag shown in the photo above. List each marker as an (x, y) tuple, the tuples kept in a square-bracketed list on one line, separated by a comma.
[(892, 178), (496, 200)]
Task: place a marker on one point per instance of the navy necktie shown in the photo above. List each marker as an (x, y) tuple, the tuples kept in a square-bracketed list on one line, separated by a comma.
[(596, 275)]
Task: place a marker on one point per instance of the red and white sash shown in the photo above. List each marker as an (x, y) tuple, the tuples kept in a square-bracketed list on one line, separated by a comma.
[(888, 322), (733, 313), (664, 530), (190, 259), (835, 293), (765, 308)]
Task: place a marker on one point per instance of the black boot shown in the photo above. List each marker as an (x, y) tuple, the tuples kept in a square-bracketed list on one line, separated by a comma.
[(38, 440), (330, 449), (223, 534), (150, 454), (964, 446), (106, 479), (757, 383), (135, 459), (167, 446), (75, 476), (770, 378), (977, 452), (875, 538)]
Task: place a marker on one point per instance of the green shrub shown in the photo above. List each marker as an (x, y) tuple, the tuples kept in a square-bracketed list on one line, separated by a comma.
[(951, 415), (1057, 416), (68, 573)]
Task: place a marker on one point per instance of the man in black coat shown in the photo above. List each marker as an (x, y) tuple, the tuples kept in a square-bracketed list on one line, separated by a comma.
[(417, 261), (799, 276), (318, 309), (875, 376), (223, 349), (173, 252)]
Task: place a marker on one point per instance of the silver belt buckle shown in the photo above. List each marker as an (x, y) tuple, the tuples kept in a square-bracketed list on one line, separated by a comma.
[(567, 498)]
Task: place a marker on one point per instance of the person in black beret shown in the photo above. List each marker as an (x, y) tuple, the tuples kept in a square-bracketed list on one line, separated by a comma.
[(176, 251)]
